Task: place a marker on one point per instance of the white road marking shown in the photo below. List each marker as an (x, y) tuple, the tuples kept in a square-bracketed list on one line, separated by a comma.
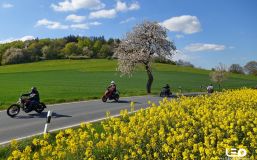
[(74, 125), (70, 126)]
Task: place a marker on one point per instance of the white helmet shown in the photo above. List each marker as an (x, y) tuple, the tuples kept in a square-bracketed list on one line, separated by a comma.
[(112, 82)]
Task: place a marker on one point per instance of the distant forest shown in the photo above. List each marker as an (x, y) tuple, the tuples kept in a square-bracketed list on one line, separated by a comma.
[(72, 47)]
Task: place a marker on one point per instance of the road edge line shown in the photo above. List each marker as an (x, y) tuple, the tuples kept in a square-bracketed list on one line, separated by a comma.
[(62, 128)]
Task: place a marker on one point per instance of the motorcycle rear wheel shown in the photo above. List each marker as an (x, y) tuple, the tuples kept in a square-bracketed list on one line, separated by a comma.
[(40, 108), (117, 98), (13, 110)]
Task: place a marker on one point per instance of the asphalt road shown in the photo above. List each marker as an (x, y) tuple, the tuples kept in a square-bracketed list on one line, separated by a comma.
[(66, 115)]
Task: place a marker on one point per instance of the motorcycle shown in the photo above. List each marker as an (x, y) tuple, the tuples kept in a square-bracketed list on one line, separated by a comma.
[(210, 90), (23, 103), (111, 95), (165, 92)]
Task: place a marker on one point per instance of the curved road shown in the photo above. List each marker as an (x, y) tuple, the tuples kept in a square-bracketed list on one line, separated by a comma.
[(66, 115)]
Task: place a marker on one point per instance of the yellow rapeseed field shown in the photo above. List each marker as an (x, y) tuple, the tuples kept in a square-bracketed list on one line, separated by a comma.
[(186, 128)]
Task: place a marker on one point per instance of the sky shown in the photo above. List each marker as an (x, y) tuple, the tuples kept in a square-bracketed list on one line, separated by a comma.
[(205, 32)]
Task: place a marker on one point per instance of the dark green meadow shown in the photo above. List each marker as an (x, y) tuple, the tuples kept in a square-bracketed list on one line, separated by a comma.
[(73, 80)]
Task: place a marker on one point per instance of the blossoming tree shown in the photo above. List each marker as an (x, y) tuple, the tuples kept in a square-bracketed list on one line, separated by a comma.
[(147, 40), (219, 75)]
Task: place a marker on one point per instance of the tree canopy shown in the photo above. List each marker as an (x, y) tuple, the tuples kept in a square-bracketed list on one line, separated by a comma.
[(146, 41), (34, 50)]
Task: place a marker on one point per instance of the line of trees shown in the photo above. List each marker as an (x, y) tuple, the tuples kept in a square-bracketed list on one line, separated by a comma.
[(248, 68), (67, 47), (220, 73)]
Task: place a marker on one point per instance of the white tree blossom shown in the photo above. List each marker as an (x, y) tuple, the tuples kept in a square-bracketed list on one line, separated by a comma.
[(147, 40), (219, 75)]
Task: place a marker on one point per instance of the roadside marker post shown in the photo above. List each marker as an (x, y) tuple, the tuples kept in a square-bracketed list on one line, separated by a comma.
[(48, 120)]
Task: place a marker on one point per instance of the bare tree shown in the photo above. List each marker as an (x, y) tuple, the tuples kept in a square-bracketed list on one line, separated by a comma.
[(146, 41), (251, 67), (219, 75), (236, 68)]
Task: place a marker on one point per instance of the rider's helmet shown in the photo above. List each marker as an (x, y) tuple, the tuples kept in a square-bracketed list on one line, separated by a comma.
[(167, 86), (112, 82), (33, 89)]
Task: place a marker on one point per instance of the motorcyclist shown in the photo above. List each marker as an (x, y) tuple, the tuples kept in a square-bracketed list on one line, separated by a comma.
[(34, 98), (166, 90), (112, 87), (210, 88)]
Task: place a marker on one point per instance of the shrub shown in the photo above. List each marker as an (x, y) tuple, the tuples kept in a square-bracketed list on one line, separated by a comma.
[(14, 56), (166, 61)]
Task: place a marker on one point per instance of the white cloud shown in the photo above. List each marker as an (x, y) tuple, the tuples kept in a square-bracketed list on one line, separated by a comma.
[(122, 6), (85, 25), (7, 5), (7, 40), (73, 5), (178, 36), (199, 47), (50, 24), (111, 13), (127, 20), (25, 38), (186, 24), (80, 26), (95, 23), (75, 18), (134, 6), (179, 55), (57, 25)]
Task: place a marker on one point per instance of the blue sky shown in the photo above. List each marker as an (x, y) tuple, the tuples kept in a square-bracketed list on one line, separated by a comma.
[(206, 32)]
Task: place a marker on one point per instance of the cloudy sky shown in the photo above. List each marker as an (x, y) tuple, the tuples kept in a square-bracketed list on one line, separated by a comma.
[(206, 32)]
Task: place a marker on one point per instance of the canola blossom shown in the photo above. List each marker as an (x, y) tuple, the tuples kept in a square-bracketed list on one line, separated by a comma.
[(200, 127)]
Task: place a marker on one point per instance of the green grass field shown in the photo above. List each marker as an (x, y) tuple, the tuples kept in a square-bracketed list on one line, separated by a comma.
[(72, 80)]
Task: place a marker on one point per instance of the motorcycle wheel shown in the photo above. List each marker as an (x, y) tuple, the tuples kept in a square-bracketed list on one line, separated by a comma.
[(40, 108), (13, 110), (104, 98), (161, 94), (116, 98)]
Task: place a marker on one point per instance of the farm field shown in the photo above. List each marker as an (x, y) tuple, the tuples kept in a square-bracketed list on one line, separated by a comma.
[(73, 80)]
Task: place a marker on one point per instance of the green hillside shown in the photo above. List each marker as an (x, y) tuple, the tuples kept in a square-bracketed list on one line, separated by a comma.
[(72, 80)]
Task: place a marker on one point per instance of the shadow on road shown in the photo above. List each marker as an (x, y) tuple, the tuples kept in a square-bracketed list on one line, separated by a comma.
[(123, 101), (171, 96), (41, 115)]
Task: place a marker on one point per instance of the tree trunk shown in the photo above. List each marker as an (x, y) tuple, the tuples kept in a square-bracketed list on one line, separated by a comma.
[(150, 79)]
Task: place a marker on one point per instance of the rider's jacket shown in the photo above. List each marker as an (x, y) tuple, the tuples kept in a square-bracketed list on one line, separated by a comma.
[(33, 95)]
